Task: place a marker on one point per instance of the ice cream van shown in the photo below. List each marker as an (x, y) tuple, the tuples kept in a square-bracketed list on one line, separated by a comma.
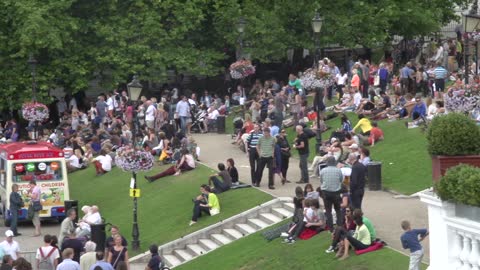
[(22, 162)]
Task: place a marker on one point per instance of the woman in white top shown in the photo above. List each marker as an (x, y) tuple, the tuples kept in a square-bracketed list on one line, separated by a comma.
[(186, 163), (341, 79)]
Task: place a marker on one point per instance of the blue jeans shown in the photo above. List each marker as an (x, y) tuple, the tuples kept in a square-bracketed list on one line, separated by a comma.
[(304, 167), (13, 220), (183, 124)]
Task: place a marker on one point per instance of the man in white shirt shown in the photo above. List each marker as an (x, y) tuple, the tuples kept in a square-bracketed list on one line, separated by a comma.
[(93, 218), (103, 163), (211, 117), (150, 114), (47, 253), (73, 163), (183, 111), (9, 246), (357, 99)]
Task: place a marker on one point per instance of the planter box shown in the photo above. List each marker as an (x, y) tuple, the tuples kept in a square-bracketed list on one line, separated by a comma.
[(440, 164)]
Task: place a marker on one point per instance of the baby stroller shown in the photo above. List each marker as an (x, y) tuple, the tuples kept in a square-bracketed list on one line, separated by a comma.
[(237, 126), (197, 120)]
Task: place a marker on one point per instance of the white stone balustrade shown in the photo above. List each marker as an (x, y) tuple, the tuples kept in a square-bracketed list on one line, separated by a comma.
[(454, 241)]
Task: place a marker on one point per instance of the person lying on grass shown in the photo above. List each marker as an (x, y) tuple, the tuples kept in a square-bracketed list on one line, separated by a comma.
[(218, 185), (206, 202), (185, 163)]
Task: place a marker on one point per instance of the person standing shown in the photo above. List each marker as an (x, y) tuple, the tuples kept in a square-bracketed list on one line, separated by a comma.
[(357, 181), (89, 257), (279, 108), (252, 142), (331, 179), (183, 111), (7, 263), (10, 246), (301, 144), (383, 76), (150, 114), (101, 262), (155, 262), (440, 74), (35, 193), (265, 149), (410, 239), (16, 203), (67, 228), (406, 75), (101, 109), (47, 256), (285, 154), (68, 263)]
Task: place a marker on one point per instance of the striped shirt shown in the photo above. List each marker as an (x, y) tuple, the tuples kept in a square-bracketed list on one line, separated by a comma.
[(440, 73), (252, 140), (266, 146)]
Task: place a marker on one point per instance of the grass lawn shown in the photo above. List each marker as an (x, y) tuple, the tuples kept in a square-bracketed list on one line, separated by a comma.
[(165, 206), (254, 252), (406, 164)]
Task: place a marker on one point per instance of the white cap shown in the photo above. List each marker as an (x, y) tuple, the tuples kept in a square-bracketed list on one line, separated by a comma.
[(9, 233), (353, 146)]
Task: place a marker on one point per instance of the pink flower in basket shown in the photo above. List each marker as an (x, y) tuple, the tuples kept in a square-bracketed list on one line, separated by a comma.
[(35, 111)]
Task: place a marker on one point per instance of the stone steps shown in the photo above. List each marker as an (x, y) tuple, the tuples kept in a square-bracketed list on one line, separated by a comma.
[(223, 233)]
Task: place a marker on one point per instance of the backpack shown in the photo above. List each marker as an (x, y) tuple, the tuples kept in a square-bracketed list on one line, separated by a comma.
[(45, 262)]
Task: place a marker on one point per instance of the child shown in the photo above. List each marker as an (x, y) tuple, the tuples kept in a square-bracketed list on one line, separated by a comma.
[(411, 241)]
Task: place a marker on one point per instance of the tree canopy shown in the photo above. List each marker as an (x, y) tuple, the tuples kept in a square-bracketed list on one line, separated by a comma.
[(76, 41)]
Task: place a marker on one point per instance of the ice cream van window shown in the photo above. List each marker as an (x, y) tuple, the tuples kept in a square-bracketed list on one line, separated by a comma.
[(38, 171)]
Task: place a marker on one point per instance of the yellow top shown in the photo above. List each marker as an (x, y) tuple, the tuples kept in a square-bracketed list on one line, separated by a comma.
[(364, 124)]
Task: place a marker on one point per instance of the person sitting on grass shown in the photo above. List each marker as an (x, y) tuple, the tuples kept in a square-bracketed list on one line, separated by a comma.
[(220, 186), (103, 163), (185, 163), (312, 219), (410, 239), (376, 134), (340, 232), (358, 213), (419, 112), (232, 170), (360, 240), (206, 202), (364, 124)]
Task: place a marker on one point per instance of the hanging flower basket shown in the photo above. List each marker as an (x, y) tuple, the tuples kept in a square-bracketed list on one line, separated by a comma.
[(34, 111), (131, 160), (473, 36), (462, 99), (241, 69), (313, 78)]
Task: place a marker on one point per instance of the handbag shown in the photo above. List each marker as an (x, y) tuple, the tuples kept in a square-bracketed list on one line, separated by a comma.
[(37, 206), (30, 212), (214, 211), (376, 80)]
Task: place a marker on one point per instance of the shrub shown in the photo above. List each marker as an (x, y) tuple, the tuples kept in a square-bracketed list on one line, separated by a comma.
[(460, 184), (453, 134)]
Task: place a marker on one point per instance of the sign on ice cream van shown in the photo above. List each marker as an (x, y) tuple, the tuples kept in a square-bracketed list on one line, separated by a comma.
[(22, 162)]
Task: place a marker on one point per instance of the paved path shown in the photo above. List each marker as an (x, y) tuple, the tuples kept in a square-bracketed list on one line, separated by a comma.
[(382, 208)]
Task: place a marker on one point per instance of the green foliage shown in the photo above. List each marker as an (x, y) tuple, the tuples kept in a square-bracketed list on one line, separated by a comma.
[(76, 41), (460, 184), (452, 135)]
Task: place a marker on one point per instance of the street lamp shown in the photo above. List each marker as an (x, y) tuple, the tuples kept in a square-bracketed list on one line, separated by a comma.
[(134, 90), (241, 29), (317, 22), (32, 62), (471, 23)]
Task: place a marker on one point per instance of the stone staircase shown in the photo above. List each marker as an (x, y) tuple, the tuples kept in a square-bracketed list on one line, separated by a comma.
[(222, 233)]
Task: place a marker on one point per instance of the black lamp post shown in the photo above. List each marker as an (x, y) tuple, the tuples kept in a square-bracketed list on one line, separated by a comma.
[(32, 62), (134, 91), (317, 22), (471, 22), (241, 29)]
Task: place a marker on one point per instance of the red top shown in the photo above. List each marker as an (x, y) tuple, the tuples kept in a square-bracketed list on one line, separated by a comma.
[(375, 134), (29, 150), (248, 127)]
